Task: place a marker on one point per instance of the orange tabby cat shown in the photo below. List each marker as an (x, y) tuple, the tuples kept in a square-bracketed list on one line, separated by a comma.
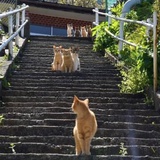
[(83, 31), (67, 61), (85, 126), (57, 60)]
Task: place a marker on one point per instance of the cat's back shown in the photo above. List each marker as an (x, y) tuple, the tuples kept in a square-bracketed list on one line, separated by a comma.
[(88, 122)]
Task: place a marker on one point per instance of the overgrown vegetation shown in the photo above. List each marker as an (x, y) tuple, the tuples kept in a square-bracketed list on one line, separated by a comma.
[(138, 60)]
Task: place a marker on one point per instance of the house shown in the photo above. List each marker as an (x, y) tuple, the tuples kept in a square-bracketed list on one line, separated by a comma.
[(51, 18)]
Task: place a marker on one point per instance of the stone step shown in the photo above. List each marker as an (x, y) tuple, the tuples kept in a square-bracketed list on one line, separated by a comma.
[(151, 120), (63, 92), (55, 88), (70, 99), (43, 130), (55, 79), (40, 156), (69, 140), (146, 126), (69, 149), (50, 73), (65, 107)]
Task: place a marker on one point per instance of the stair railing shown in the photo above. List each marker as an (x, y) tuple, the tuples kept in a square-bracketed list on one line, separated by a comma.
[(20, 17), (153, 26)]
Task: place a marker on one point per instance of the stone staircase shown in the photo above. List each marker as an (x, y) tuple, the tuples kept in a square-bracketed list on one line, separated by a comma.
[(38, 120)]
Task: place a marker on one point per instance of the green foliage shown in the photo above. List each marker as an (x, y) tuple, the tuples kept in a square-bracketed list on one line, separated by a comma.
[(134, 80), (83, 3), (101, 38), (117, 9), (144, 10), (103, 41), (140, 72), (129, 28)]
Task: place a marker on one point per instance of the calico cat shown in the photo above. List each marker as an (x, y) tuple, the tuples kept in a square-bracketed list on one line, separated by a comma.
[(85, 126), (77, 32), (67, 61), (83, 31), (70, 31), (75, 56), (57, 60)]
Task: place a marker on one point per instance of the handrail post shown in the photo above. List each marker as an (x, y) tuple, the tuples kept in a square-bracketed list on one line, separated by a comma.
[(23, 19), (10, 30), (121, 34), (17, 26), (109, 18), (155, 51), (97, 16)]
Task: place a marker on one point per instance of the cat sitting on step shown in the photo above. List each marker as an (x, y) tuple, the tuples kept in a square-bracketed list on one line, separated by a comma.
[(84, 32), (57, 60), (85, 126), (89, 30), (70, 31), (75, 56), (67, 61), (77, 32)]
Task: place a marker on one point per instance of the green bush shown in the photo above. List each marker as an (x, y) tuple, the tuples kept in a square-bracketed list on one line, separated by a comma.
[(134, 80)]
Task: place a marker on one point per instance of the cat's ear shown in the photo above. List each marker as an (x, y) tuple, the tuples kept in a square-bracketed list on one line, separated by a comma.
[(86, 101), (75, 98), (54, 46)]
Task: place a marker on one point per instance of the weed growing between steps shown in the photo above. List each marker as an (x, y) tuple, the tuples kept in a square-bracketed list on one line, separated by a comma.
[(1, 119), (123, 150), (12, 147)]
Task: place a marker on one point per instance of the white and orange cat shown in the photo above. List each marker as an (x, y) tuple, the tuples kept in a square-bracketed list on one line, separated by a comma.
[(76, 66), (84, 32), (57, 60), (67, 61), (85, 126), (70, 31)]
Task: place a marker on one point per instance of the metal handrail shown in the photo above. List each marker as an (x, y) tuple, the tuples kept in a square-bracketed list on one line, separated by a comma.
[(18, 27)]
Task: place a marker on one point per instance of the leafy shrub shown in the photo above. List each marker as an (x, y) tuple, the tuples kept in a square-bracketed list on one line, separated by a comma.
[(102, 39), (134, 80)]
